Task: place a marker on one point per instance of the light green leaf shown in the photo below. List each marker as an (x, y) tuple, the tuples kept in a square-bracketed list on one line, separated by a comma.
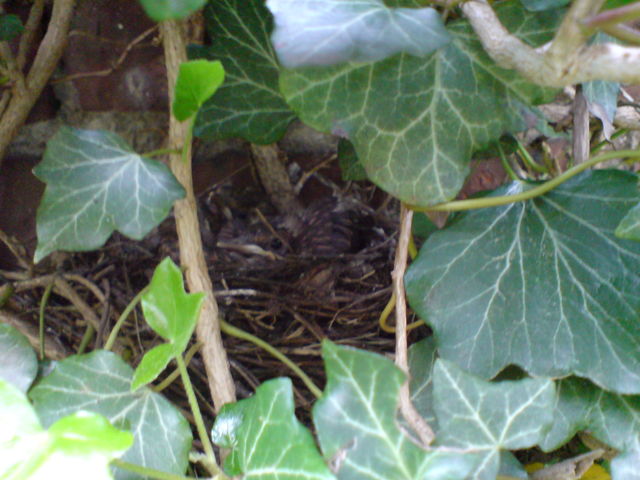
[(100, 382), (168, 309), (265, 438), (95, 185), (10, 26), (75, 447), (416, 121), (152, 364), (197, 81), (249, 103), (629, 226), (542, 284), (172, 313), (160, 10), (326, 32), (489, 417), (356, 423), (16, 415), (85, 433), (18, 363)]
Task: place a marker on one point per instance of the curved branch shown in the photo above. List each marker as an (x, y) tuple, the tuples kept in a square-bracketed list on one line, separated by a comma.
[(564, 61)]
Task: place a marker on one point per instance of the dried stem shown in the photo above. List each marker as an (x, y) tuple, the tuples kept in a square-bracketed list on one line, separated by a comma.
[(407, 409), (191, 252)]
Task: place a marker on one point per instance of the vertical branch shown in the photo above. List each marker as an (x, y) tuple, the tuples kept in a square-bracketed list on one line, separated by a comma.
[(407, 409), (191, 252)]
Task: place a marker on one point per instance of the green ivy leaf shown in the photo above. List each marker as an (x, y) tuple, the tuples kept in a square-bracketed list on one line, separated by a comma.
[(265, 438), (171, 313), (542, 284), (539, 5), (356, 423), (249, 104), (580, 405), (350, 166), (625, 466), (629, 226), (422, 358), (95, 185), (601, 96), (160, 10), (10, 26), (416, 121), (18, 363), (197, 81), (100, 382), (490, 417), (76, 446), (315, 33)]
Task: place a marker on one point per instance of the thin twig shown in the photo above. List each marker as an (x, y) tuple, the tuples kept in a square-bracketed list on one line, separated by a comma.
[(409, 412), (30, 29), (116, 64)]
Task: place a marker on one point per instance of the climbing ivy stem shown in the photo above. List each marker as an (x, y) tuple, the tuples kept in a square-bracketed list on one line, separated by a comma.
[(197, 416), (476, 203), (241, 334), (125, 314)]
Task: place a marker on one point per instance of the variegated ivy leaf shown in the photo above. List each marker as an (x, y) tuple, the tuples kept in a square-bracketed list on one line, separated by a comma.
[(100, 382), (18, 362), (611, 418), (416, 121), (490, 417), (326, 32), (543, 284), (629, 226), (249, 103), (97, 184), (265, 439), (357, 428)]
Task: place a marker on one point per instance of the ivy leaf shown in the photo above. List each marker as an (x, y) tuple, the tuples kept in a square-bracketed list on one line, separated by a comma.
[(96, 184), (316, 33), (197, 81), (356, 423), (10, 26), (542, 284), (249, 103), (625, 466), (171, 313), (160, 10), (100, 382), (422, 358), (414, 121), (350, 166), (76, 446), (601, 96), (489, 417), (580, 405), (629, 226), (539, 5), (265, 438), (18, 363)]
